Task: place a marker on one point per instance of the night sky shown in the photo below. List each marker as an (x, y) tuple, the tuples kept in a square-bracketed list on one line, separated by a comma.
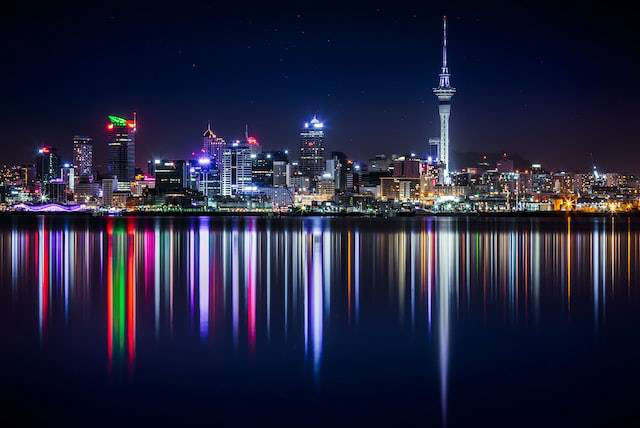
[(552, 83)]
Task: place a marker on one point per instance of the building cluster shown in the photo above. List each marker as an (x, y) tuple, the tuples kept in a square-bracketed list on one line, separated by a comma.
[(238, 175)]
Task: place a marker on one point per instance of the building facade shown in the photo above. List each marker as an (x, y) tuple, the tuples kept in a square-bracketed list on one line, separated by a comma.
[(312, 161), (236, 169), (122, 148), (83, 155), (47, 164), (213, 146)]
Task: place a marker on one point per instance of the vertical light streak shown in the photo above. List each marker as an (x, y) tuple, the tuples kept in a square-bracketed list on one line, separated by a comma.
[(14, 258), (269, 253), (349, 275), (445, 273), (131, 295), (110, 294), (66, 244), (412, 262), (305, 248), (569, 263), (121, 291), (192, 273), (252, 252), (156, 276), (357, 274), (628, 257), (316, 305), (286, 283), (203, 278), (171, 264), (596, 274), (235, 286), (326, 261), (43, 276)]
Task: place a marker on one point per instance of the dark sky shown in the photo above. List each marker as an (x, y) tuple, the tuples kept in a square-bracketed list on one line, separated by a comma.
[(551, 82)]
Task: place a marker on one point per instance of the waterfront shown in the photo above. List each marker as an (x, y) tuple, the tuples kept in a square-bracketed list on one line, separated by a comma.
[(427, 320)]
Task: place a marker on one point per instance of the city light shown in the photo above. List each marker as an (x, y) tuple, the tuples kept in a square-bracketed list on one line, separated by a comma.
[(204, 161)]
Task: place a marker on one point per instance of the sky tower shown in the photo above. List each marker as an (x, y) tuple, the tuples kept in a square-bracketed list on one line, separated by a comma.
[(444, 92)]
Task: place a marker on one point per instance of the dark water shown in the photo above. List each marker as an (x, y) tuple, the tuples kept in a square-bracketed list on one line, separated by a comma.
[(245, 321)]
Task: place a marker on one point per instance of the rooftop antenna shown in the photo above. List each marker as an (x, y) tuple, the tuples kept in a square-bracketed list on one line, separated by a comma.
[(246, 131)]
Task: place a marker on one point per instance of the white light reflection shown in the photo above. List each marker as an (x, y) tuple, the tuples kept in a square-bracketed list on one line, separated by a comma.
[(446, 267), (316, 305), (203, 276)]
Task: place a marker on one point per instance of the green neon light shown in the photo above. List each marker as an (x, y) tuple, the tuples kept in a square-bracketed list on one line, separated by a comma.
[(118, 121)]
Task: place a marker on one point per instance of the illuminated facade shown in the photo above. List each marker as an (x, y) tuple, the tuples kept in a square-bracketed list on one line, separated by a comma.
[(444, 92), (213, 146), (47, 164), (83, 155), (122, 148), (312, 162), (236, 169), (171, 176)]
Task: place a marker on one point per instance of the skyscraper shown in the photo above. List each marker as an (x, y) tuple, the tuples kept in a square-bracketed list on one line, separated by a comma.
[(83, 155), (236, 168), (122, 148), (47, 164), (444, 92), (312, 162), (213, 146)]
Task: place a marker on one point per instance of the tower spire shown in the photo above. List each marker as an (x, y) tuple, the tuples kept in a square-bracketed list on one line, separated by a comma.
[(444, 44), (444, 92), (444, 71)]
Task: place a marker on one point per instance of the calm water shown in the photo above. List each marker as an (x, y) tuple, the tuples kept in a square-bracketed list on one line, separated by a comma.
[(244, 321)]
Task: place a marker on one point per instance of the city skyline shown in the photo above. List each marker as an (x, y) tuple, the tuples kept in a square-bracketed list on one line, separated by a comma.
[(390, 88)]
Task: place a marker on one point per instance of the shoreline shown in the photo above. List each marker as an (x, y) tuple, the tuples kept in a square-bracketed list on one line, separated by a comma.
[(528, 214)]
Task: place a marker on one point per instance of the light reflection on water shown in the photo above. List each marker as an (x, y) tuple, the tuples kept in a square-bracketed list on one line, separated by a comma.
[(257, 283)]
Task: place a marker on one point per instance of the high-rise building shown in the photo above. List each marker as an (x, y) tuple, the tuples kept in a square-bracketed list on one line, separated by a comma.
[(434, 149), (213, 146), (236, 168), (83, 155), (269, 169), (109, 187), (444, 92), (171, 176), (122, 148), (47, 164), (312, 163), (205, 177)]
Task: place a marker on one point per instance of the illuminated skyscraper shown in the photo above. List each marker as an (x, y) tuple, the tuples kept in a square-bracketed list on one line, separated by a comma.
[(213, 146), (83, 155), (312, 161), (47, 164), (122, 148), (236, 168), (444, 92)]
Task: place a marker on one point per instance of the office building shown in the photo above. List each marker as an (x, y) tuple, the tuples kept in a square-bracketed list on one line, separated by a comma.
[(312, 137), (83, 155), (171, 176), (122, 148), (47, 164), (213, 146), (109, 187), (263, 168), (236, 168)]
